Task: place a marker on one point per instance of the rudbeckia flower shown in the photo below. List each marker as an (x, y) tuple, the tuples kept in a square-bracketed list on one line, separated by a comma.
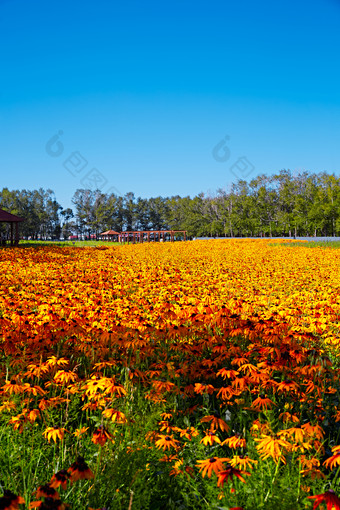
[(313, 430), (235, 442), (10, 501), (100, 436), (13, 387), (188, 433), (47, 491), (216, 422), (262, 402), (287, 386), (313, 473), (180, 469), (269, 446), (115, 416), (59, 479), (166, 442), (49, 504), (297, 433), (54, 433), (79, 470), (329, 497), (166, 416), (230, 472), (210, 439), (333, 461), (242, 461), (214, 464), (80, 432)]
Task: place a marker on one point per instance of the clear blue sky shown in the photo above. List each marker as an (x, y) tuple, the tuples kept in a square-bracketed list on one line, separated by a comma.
[(144, 91)]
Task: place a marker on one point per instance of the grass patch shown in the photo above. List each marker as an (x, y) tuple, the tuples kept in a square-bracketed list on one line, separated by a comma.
[(77, 244), (309, 244)]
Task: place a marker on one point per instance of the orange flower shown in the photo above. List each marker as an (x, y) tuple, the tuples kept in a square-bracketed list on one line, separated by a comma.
[(262, 402), (188, 433), (242, 461), (210, 439), (101, 435), (270, 446), (79, 470), (229, 472), (165, 427), (10, 501), (333, 461), (287, 417), (309, 463), (216, 422), (313, 473), (234, 442), (204, 388), (166, 416), (168, 458), (65, 377), (329, 497), (295, 432), (115, 416), (7, 405), (214, 464), (287, 386), (59, 479), (54, 433), (166, 442), (179, 469), (313, 430), (13, 387), (80, 432), (231, 374), (46, 491), (49, 504), (93, 385)]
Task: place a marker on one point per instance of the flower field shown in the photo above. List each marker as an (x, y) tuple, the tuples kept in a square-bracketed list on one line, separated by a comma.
[(170, 375)]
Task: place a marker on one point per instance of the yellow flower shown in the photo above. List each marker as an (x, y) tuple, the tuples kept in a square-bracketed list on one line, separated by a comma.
[(115, 415), (269, 446), (54, 433), (242, 462), (214, 464), (333, 461), (80, 432), (234, 442), (166, 442), (210, 439), (216, 422)]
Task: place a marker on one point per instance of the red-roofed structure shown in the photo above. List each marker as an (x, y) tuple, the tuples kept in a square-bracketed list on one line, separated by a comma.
[(109, 234), (13, 220), (139, 236)]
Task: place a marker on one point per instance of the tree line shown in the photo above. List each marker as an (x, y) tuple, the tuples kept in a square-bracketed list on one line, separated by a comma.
[(305, 204)]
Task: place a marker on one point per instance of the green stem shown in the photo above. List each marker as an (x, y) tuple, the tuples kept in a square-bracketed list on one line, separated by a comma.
[(273, 480)]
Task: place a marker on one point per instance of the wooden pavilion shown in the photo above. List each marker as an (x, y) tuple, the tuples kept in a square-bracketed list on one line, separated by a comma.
[(109, 235), (140, 236), (13, 220)]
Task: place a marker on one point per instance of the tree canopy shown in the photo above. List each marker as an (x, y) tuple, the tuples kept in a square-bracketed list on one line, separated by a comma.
[(282, 204)]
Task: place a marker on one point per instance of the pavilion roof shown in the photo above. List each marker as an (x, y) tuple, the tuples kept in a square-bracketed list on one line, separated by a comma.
[(110, 233), (8, 217)]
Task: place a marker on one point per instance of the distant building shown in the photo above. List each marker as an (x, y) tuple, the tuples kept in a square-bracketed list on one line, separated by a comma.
[(13, 220)]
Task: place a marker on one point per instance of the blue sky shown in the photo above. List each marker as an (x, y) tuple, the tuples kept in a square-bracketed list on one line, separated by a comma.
[(144, 91)]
